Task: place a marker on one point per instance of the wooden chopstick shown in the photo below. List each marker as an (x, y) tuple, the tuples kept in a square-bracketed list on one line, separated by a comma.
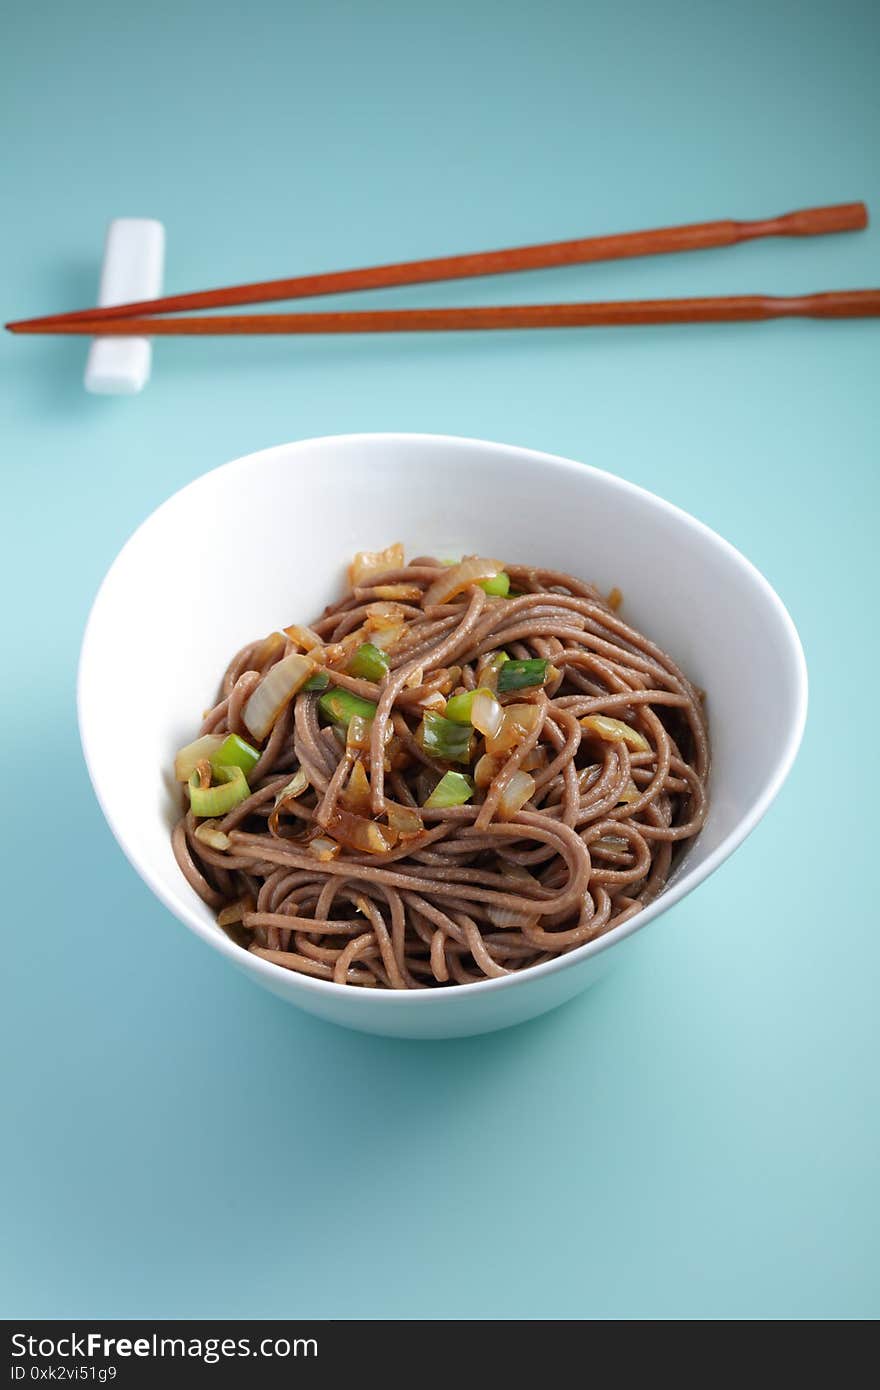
[(700, 236), (720, 309)]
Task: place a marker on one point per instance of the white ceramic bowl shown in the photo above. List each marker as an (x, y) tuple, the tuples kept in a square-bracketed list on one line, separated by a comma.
[(263, 542)]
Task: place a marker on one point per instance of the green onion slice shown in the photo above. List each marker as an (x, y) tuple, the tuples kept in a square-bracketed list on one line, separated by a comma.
[(445, 739), (340, 706), (236, 752), (369, 663), (476, 707), (453, 789), (499, 585), (459, 707), (229, 790), (319, 681), (517, 675)]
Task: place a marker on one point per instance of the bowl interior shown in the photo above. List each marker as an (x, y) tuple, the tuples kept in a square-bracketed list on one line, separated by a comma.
[(264, 541)]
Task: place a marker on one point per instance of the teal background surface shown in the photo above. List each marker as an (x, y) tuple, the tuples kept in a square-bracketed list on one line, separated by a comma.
[(698, 1136)]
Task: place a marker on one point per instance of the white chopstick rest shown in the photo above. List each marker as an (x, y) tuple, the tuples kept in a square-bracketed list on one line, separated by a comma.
[(134, 260)]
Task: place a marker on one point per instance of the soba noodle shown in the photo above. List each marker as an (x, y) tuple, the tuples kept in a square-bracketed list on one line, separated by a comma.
[(389, 845)]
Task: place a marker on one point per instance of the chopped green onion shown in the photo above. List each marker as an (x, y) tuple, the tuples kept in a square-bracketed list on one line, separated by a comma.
[(339, 706), (236, 752), (459, 707), (369, 663), (476, 707), (319, 681), (230, 789), (453, 789), (499, 585), (516, 675), (445, 739)]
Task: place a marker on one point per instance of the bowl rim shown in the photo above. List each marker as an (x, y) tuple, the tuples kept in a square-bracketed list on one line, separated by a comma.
[(428, 998)]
